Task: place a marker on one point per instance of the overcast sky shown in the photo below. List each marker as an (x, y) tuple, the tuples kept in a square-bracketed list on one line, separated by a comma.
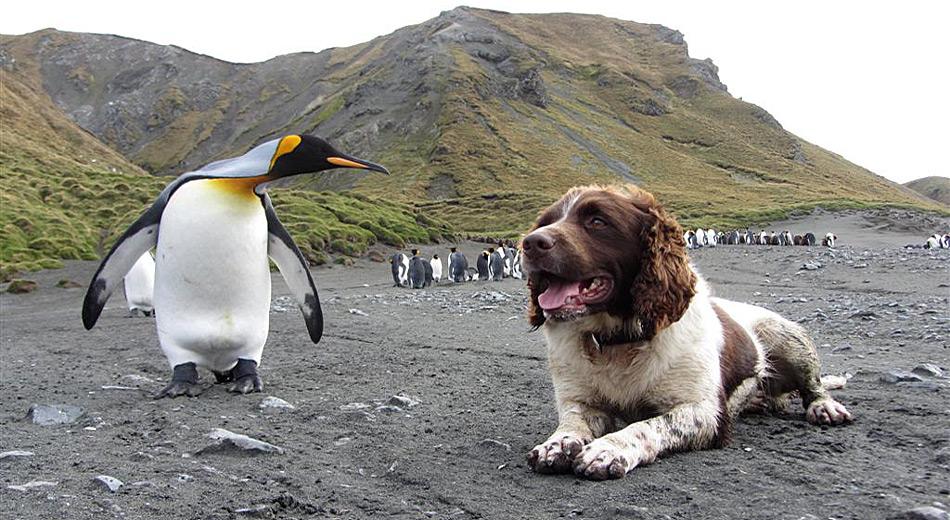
[(867, 80)]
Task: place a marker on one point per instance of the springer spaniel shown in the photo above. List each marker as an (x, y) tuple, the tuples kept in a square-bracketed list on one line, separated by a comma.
[(643, 359)]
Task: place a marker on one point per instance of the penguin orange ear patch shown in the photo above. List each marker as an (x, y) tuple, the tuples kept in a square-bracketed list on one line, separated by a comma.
[(286, 145)]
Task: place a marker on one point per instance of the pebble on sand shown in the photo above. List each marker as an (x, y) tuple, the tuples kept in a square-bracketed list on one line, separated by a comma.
[(19, 286), (900, 376), (50, 415), (491, 445), (257, 510), (30, 486), (229, 442), (401, 401), (137, 380), (922, 513), (107, 482), (15, 454), (275, 403), (928, 370)]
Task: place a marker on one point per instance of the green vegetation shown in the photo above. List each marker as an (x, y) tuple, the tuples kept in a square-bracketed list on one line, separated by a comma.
[(323, 222), (63, 192), (480, 134), (68, 197)]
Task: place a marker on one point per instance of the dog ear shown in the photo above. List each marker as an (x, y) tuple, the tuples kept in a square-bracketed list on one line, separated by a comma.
[(663, 288)]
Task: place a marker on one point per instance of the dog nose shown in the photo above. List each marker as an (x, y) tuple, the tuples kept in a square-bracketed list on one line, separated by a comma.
[(537, 242)]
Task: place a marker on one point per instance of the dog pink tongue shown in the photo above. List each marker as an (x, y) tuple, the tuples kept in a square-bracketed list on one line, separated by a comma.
[(557, 294)]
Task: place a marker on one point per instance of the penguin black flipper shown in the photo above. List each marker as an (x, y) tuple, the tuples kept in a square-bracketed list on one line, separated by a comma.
[(141, 236), (293, 266)]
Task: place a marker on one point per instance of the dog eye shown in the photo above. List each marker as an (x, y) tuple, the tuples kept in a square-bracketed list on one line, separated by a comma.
[(596, 222)]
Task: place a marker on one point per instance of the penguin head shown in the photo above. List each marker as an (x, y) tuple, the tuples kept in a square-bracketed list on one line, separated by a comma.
[(297, 154)]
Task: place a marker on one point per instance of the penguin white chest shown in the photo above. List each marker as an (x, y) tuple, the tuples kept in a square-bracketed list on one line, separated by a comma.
[(212, 278)]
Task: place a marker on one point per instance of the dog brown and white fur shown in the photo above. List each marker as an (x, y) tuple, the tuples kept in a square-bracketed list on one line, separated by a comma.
[(643, 359)]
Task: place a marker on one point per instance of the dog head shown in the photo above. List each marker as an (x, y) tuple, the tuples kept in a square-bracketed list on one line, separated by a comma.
[(608, 250)]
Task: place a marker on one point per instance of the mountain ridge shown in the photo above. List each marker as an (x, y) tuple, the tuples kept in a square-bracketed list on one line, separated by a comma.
[(933, 187), (67, 196), (478, 113)]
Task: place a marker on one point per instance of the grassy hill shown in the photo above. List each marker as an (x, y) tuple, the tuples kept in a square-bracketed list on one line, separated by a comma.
[(936, 188), (68, 196), (484, 117)]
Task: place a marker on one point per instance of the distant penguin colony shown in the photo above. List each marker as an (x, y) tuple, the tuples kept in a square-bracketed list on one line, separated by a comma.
[(213, 230), (493, 263), (698, 238), (935, 241)]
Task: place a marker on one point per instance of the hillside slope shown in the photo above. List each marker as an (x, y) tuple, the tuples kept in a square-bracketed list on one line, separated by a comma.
[(476, 112), (64, 192), (936, 188), (68, 196)]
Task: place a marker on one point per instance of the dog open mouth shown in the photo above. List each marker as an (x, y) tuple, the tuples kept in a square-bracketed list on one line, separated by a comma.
[(561, 297)]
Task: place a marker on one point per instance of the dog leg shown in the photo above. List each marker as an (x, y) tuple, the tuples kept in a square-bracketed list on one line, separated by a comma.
[(578, 424), (687, 426), (794, 365)]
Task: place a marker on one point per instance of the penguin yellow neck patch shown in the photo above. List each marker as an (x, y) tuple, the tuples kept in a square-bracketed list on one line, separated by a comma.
[(240, 186), (287, 144)]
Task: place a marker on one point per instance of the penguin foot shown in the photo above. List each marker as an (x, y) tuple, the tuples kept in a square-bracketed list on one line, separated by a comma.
[(245, 378), (184, 382)]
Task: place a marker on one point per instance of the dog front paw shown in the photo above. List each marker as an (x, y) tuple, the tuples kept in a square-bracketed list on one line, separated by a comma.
[(557, 454), (828, 411), (602, 460)]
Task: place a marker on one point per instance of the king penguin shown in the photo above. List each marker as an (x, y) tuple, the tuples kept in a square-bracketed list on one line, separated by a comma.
[(436, 264), (417, 270), (400, 269), (213, 230), (481, 264), (496, 265), (140, 286), (458, 266)]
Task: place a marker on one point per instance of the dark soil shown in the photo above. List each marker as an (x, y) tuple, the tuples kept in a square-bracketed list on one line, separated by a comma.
[(466, 356)]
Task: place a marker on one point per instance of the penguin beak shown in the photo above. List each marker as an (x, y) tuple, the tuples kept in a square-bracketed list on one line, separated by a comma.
[(352, 162)]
